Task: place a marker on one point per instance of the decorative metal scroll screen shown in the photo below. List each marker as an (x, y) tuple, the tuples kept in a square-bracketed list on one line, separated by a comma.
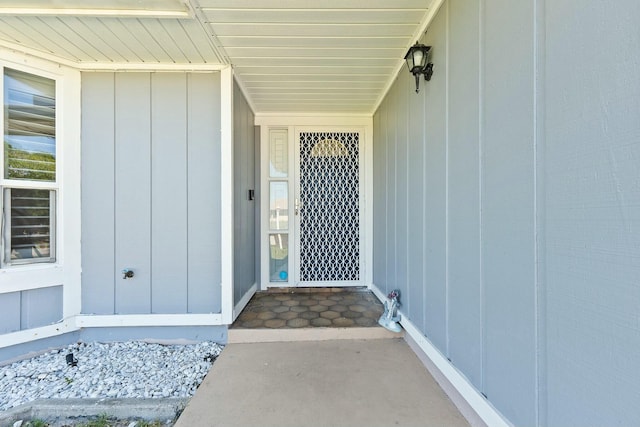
[(330, 212)]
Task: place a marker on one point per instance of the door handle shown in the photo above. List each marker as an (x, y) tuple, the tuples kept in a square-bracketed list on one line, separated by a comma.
[(296, 206)]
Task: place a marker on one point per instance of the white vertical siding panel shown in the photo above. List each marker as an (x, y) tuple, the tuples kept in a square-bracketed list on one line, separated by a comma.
[(40, 307), (435, 187), (251, 210), (448, 304), (168, 192), (154, 195), (508, 209), (464, 314), (98, 187), (413, 300), (245, 210), (592, 224), (239, 220), (203, 192), (257, 201), (403, 201), (9, 312), (133, 191), (391, 202), (379, 197)]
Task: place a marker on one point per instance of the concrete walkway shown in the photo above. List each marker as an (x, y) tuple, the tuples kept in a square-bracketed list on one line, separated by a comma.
[(376, 382)]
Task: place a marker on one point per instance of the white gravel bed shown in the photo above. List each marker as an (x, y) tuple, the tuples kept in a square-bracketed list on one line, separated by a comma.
[(116, 370)]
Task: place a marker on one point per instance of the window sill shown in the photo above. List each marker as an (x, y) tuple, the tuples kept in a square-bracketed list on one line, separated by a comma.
[(32, 276)]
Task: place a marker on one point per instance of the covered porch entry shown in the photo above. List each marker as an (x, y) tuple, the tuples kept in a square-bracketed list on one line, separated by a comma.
[(314, 235)]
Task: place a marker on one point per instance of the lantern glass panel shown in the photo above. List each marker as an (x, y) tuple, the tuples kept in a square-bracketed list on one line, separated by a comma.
[(418, 58)]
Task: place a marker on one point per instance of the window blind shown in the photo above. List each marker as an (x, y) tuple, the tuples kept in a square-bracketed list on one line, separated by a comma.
[(30, 219)]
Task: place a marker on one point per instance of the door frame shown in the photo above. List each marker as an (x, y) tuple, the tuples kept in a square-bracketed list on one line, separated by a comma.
[(294, 125)]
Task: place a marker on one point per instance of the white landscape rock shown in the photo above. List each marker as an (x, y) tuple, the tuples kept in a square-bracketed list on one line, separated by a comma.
[(131, 369)]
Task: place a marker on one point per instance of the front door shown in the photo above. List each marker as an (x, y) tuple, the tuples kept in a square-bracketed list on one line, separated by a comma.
[(313, 238), (327, 215)]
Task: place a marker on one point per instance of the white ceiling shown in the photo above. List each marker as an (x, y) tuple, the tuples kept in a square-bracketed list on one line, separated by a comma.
[(321, 56)]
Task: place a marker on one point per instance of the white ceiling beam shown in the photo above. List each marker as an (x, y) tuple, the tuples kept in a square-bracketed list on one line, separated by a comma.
[(320, 85), (269, 52), (120, 13), (325, 4), (314, 42), (327, 78), (316, 62), (316, 71), (358, 16), (320, 29), (257, 91)]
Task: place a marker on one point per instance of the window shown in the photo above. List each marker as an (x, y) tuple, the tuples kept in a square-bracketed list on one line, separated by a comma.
[(29, 184)]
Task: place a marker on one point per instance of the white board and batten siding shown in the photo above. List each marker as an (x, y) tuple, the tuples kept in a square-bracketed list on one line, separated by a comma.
[(244, 210), (30, 309), (151, 193), (516, 246), (453, 150)]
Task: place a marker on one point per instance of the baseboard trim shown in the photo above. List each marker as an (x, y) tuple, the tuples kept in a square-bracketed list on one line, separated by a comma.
[(244, 301), (29, 335), (473, 405), (245, 336), (133, 320)]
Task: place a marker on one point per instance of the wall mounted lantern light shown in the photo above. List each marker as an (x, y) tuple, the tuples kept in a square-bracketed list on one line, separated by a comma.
[(418, 62)]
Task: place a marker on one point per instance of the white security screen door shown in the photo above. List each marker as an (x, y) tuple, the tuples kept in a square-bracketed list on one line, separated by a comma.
[(312, 215), (327, 208)]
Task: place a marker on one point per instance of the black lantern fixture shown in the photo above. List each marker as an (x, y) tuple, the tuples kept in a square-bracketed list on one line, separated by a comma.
[(417, 62)]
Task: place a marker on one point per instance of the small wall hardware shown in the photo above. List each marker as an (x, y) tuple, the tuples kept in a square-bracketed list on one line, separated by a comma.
[(127, 273), (71, 360)]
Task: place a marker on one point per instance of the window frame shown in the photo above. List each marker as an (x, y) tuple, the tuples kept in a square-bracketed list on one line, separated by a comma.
[(55, 186)]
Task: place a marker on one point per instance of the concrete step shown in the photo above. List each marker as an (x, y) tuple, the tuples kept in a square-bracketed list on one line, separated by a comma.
[(246, 336)]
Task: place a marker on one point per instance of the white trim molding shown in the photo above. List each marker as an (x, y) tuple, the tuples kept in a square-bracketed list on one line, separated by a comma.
[(36, 55), (109, 13), (244, 301), (34, 334), (297, 119), (149, 66), (226, 192), (447, 371), (21, 278), (136, 320), (75, 323)]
